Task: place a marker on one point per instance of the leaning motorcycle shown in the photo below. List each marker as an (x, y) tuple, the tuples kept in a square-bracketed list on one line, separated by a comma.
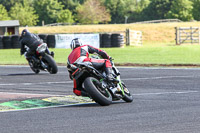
[(95, 83), (42, 61)]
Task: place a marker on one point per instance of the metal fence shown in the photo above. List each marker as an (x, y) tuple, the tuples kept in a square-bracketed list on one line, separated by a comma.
[(158, 21), (187, 35)]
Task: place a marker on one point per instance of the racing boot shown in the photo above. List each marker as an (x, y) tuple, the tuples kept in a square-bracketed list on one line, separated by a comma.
[(108, 71), (80, 92), (50, 53)]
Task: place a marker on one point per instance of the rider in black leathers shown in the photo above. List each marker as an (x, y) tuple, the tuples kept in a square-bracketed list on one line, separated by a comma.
[(31, 41)]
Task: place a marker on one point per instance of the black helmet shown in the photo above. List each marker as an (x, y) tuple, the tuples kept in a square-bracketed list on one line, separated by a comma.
[(75, 43), (24, 32)]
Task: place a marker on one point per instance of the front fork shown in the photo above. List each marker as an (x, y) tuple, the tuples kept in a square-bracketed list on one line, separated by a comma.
[(43, 65), (120, 86), (118, 91)]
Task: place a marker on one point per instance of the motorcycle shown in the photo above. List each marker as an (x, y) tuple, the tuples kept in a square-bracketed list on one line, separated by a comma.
[(42, 61), (97, 86)]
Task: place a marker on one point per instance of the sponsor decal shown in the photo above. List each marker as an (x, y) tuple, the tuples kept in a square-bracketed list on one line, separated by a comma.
[(64, 40)]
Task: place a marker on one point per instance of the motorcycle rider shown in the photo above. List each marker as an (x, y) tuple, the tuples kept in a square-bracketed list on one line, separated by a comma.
[(80, 53), (31, 41)]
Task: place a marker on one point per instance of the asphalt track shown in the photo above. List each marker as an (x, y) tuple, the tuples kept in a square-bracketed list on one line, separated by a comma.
[(166, 100)]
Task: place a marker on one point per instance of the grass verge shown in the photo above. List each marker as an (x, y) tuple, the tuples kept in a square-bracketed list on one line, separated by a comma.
[(145, 55)]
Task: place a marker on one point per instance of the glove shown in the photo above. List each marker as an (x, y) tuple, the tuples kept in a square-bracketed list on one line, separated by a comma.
[(88, 63), (110, 58)]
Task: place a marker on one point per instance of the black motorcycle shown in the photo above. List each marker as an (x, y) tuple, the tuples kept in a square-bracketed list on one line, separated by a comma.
[(42, 61), (95, 83)]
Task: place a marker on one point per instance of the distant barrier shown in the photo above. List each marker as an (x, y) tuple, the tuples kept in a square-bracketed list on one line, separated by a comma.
[(107, 40), (7, 42), (43, 37), (51, 41), (1, 42), (117, 40), (15, 41)]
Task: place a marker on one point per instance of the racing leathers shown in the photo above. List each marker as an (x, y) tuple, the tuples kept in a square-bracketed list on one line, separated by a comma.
[(31, 41), (81, 54)]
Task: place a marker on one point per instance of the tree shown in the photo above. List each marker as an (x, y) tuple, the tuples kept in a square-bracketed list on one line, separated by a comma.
[(157, 9), (24, 13), (65, 16), (70, 4), (120, 9), (3, 13), (47, 10), (136, 15), (9, 3), (92, 12), (196, 9), (181, 9)]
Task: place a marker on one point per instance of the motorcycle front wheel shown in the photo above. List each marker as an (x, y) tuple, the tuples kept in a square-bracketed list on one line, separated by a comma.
[(49, 61), (100, 95), (127, 95)]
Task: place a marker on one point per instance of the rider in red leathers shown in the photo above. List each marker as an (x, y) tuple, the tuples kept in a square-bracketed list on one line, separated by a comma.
[(80, 53)]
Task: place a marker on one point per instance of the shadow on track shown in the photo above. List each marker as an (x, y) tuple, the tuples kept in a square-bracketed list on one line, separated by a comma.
[(92, 105)]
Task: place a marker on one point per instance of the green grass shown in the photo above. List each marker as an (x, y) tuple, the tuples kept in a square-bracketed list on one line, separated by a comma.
[(157, 55), (184, 54)]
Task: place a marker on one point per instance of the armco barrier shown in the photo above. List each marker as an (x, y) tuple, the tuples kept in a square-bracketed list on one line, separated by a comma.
[(7, 42), (1, 42), (117, 40), (51, 41), (15, 41)]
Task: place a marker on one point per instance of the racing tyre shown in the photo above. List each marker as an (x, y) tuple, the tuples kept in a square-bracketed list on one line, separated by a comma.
[(127, 95), (98, 94), (49, 61)]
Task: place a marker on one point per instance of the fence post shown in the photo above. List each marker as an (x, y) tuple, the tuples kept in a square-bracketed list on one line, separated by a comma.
[(179, 36), (191, 34), (176, 35), (127, 37)]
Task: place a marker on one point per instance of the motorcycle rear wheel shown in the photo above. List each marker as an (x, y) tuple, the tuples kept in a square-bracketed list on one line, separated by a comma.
[(98, 94)]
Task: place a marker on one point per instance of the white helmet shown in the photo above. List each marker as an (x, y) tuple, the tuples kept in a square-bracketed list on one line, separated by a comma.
[(75, 43)]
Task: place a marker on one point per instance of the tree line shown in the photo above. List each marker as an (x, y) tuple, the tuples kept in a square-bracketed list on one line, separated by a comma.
[(38, 12)]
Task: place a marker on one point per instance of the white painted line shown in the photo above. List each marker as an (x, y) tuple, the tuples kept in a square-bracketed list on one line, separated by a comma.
[(164, 93), (160, 68), (164, 77), (125, 67), (17, 66), (39, 83), (34, 94), (69, 82)]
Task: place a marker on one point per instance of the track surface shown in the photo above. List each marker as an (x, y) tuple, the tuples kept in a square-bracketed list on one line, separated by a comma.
[(165, 100)]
